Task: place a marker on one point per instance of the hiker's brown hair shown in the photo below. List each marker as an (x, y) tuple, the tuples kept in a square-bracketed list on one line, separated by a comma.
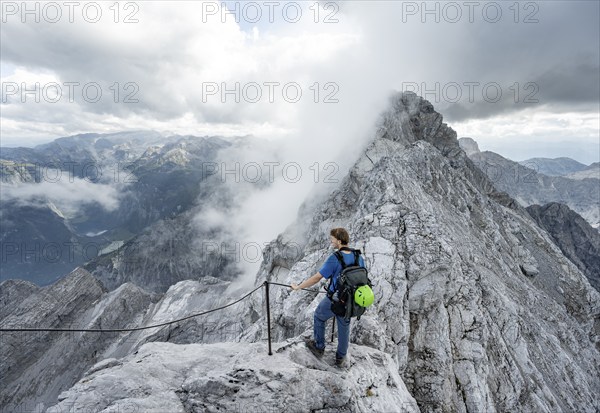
[(340, 234)]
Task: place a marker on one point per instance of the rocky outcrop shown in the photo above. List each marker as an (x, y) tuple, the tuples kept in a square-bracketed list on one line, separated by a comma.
[(239, 377), (12, 293), (573, 235), (184, 299), (55, 360)]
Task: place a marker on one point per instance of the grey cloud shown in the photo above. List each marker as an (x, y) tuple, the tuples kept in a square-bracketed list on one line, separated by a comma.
[(559, 55), (563, 88), (571, 83)]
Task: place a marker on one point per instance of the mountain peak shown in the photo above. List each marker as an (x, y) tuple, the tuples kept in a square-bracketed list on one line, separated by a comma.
[(469, 145), (410, 118)]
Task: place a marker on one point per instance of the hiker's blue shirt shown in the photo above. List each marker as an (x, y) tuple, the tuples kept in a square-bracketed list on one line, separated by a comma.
[(332, 267)]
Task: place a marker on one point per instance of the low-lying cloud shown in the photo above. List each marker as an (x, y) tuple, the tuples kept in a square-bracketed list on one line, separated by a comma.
[(68, 195)]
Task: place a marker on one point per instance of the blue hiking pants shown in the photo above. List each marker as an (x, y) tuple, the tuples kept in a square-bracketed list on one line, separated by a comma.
[(324, 313)]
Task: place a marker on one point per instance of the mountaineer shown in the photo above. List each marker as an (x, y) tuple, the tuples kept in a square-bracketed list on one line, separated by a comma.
[(343, 298)]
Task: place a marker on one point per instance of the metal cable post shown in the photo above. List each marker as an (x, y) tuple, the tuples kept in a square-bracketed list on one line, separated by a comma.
[(268, 316)]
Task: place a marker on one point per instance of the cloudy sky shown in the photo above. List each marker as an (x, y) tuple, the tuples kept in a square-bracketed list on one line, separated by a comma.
[(522, 79)]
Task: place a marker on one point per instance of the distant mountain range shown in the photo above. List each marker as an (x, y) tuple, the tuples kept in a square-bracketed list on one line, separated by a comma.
[(554, 167), (153, 177), (578, 188), (565, 167)]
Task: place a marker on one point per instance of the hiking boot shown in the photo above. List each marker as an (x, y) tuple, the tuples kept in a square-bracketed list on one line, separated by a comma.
[(339, 362), (312, 346)]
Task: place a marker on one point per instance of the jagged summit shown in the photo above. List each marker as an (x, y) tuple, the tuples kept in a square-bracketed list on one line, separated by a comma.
[(469, 146), (411, 118), (476, 311)]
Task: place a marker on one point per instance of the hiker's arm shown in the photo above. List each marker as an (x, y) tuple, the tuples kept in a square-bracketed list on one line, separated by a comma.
[(308, 283)]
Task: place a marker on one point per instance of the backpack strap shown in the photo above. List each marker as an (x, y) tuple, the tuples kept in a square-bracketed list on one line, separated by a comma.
[(340, 258), (338, 255), (356, 255)]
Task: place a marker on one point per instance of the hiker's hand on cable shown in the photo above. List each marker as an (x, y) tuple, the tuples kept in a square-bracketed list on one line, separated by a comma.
[(295, 287)]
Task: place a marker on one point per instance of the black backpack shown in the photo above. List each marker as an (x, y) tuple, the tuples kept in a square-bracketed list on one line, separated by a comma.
[(351, 277)]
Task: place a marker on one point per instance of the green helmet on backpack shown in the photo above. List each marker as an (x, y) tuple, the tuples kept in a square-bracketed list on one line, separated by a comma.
[(364, 296)]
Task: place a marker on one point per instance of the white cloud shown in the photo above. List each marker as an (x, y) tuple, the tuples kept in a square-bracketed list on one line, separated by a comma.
[(169, 55), (67, 192)]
